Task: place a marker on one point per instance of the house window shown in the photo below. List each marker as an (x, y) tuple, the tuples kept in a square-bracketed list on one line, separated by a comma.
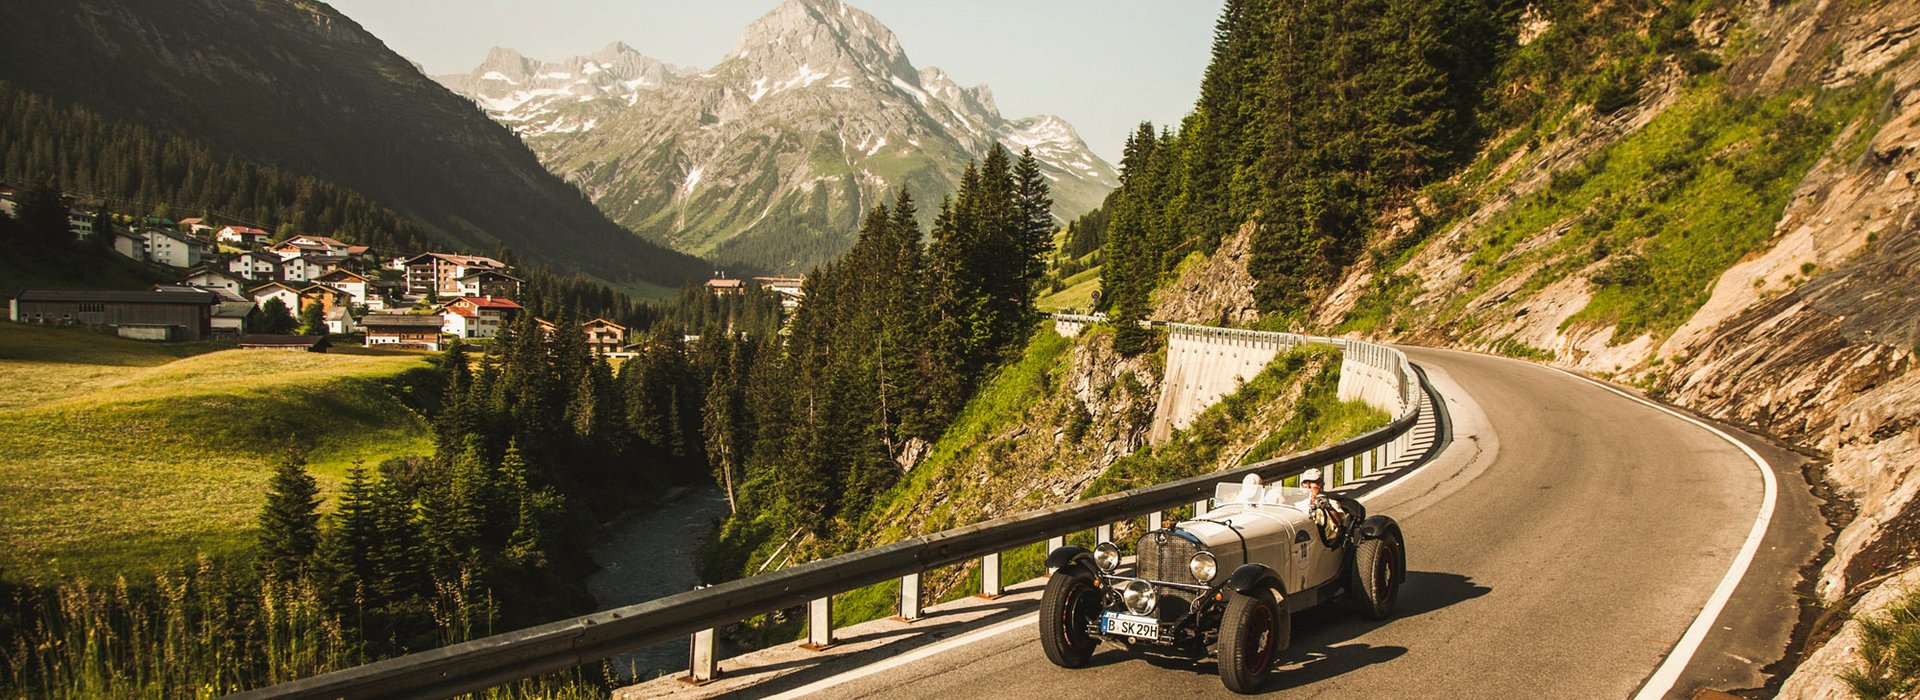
[(92, 307)]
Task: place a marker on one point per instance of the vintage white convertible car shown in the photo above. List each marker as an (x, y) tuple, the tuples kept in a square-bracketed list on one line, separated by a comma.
[(1225, 583)]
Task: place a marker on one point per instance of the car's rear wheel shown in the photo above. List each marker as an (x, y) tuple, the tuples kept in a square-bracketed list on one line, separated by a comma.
[(1376, 581), (1254, 630), (1069, 606)]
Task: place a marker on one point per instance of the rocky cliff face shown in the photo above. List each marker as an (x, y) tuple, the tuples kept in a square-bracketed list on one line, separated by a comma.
[(1811, 336), (771, 156)]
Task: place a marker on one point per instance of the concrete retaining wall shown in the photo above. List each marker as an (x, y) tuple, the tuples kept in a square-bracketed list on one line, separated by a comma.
[(1206, 363)]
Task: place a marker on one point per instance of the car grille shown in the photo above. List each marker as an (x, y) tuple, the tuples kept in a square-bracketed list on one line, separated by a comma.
[(1163, 556)]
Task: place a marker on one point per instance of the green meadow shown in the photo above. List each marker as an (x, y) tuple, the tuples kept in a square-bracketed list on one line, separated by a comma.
[(120, 457)]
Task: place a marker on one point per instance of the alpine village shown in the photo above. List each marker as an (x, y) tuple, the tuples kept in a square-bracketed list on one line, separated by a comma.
[(1419, 348)]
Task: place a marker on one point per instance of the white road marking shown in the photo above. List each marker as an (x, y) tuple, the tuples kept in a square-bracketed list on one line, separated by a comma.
[(1663, 678), (909, 657)]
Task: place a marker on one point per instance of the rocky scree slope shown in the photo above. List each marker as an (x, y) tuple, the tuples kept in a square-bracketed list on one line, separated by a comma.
[(299, 86), (770, 157), (1745, 243)]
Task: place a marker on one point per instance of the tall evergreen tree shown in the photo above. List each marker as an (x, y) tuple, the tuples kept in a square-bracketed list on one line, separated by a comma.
[(350, 540), (290, 523)]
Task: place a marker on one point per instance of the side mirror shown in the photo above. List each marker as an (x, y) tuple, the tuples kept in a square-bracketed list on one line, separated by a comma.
[(1300, 536)]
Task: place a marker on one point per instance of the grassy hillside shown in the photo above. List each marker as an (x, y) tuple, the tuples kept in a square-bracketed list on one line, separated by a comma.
[(1651, 221), (120, 457), (1076, 295)]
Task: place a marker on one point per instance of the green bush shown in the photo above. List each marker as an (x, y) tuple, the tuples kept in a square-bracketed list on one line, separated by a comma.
[(1889, 652)]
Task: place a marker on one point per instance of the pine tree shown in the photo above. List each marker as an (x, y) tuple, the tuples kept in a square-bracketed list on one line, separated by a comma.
[(290, 523), (399, 556), (350, 541), (533, 512), (313, 319)]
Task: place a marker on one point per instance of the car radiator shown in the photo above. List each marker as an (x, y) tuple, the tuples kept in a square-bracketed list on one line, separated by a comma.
[(1163, 555)]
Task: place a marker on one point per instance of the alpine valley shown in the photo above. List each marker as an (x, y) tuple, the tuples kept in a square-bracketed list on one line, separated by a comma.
[(769, 158)]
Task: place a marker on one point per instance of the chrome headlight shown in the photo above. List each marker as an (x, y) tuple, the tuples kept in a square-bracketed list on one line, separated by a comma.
[(1106, 556), (1203, 567), (1139, 597)]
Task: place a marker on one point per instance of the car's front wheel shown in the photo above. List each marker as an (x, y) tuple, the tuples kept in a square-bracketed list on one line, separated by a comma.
[(1375, 582), (1253, 632), (1067, 609)]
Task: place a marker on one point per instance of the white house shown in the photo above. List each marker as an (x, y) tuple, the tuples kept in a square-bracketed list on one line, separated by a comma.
[(340, 321), (130, 244), (287, 295), (81, 223), (215, 278), (347, 281), (171, 248), (320, 244), (306, 268), (256, 266), (477, 317), (243, 237)]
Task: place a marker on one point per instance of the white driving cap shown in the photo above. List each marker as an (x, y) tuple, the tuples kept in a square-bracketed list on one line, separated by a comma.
[(1310, 475)]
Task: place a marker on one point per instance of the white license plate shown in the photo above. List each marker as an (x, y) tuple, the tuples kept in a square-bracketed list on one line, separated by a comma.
[(1130, 626)]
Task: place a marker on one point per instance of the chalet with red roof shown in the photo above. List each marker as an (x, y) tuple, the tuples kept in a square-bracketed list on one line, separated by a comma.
[(477, 317), (243, 237)]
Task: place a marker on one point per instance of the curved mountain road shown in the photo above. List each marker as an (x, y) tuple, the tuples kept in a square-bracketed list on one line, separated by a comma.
[(1559, 548)]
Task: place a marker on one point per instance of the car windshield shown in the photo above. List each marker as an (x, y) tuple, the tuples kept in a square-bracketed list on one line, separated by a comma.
[(1272, 494)]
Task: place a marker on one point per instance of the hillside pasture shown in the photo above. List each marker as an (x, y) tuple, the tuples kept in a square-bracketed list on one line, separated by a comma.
[(119, 457)]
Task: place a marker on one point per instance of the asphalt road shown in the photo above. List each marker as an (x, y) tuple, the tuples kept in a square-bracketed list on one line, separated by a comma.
[(1559, 548)]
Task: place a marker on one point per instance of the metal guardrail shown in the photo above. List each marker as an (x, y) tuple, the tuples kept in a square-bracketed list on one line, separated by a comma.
[(503, 658)]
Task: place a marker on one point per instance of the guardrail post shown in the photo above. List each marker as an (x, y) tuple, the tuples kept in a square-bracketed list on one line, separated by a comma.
[(702, 664), (1103, 533), (910, 608), (1348, 465), (1054, 543), (990, 576), (819, 624), (1199, 508), (1154, 521)]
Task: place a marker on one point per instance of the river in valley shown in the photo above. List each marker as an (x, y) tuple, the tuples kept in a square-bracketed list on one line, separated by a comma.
[(651, 555)]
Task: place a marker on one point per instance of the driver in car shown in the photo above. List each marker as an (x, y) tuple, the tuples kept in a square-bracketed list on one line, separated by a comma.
[(1329, 511)]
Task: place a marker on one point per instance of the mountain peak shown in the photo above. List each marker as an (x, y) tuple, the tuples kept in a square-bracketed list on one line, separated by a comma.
[(820, 33), (500, 57)]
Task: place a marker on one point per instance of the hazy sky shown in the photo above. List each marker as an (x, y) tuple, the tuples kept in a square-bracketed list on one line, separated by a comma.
[(1104, 65)]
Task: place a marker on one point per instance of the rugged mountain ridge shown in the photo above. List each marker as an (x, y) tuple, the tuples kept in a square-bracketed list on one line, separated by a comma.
[(771, 156), (299, 86)]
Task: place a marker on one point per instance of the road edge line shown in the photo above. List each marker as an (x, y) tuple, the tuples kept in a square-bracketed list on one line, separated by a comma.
[(934, 649), (1668, 673)]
